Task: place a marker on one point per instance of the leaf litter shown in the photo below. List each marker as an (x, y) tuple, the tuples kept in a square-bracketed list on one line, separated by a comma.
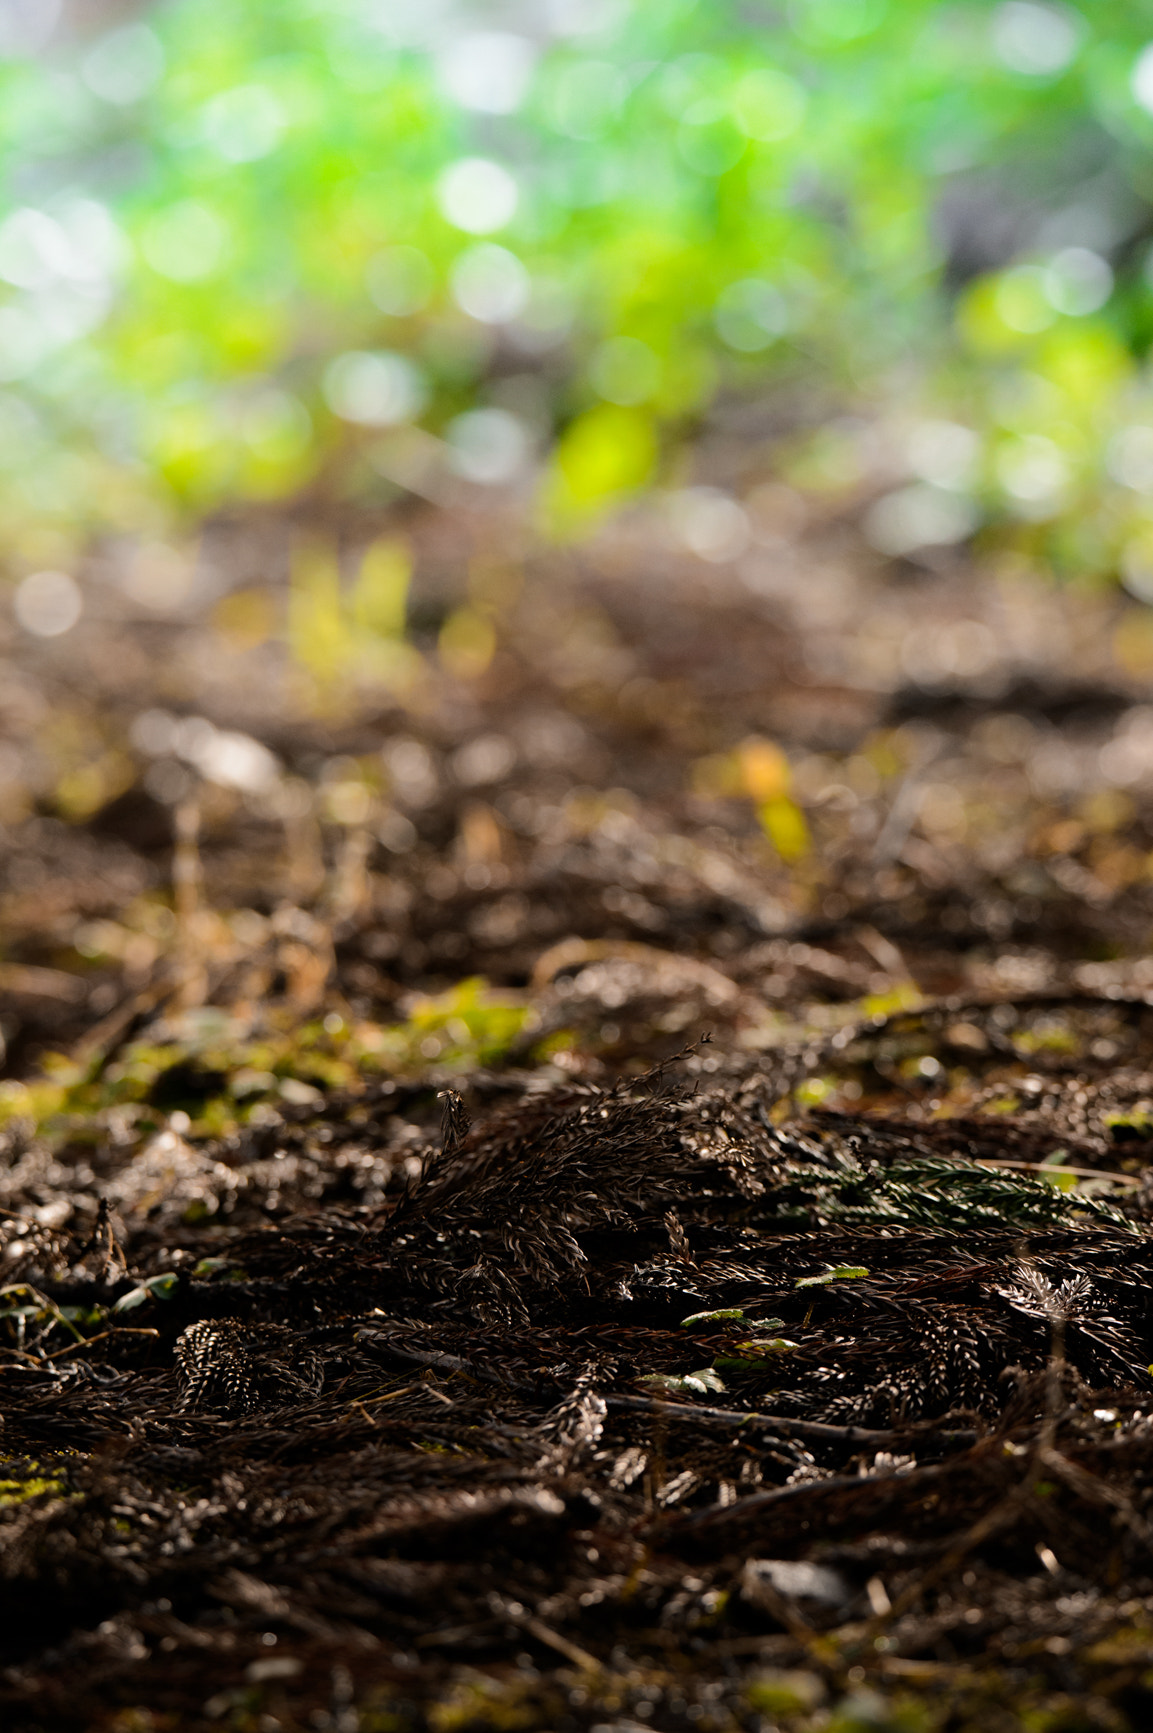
[(492, 1239)]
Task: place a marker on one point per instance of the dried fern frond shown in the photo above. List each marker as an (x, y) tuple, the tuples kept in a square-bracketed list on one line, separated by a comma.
[(1031, 1292), (575, 1426), (240, 1368)]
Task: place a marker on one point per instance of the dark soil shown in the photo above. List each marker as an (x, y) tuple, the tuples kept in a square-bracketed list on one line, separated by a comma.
[(524, 1210)]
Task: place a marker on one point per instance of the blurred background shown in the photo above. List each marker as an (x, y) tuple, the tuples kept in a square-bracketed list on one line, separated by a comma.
[(677, 475), (360, 246)]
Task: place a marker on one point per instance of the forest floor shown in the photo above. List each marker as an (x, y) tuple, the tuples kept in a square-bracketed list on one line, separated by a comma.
[(757, 1332)]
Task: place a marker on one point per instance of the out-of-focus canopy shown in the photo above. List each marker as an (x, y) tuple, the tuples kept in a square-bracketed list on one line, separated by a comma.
[(361, 242)]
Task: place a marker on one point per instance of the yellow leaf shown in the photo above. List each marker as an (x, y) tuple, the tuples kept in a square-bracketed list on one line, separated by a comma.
[(903, 996), (764, 770), (783, 823), (379, 599), (604, 454)]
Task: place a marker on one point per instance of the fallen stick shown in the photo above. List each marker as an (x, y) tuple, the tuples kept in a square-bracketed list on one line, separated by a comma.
[(783, 1425), (1046, 1169)]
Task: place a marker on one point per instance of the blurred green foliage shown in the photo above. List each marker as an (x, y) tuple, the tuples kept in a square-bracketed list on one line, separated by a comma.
[(248, 249)]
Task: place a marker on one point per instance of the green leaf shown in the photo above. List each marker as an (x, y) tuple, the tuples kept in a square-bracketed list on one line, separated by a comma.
[(842, 1273), (703, 1381), (155, 1288), (727, 1314), (1055, 1177), (692, 1383), (753, 1355)]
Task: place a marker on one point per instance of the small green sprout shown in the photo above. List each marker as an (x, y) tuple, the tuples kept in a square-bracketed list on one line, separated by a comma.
[(155, 1288), (751, 1355), (727, 1315), (842, 1273), (692, 1383)]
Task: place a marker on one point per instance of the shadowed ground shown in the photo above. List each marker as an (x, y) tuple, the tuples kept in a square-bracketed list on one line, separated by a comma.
[(758, 1331)]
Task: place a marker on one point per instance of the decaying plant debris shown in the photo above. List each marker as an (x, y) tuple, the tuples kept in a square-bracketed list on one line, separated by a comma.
[(525, 1238), (627, 1391)]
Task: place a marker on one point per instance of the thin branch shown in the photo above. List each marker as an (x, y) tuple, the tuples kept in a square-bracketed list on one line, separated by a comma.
[(784, 1425)]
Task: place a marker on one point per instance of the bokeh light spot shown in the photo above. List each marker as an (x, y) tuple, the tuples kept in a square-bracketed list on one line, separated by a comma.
[(236, 760), (1129, 458), (490, 284), (477, 195), (1037, 41), (159, 577), (709, 522), (487, 70), (374, 388), (33, 249), (919, 516), (1034, 471), (489, 446), (944, 453), (124, 65), (1141, 81), (244, 124), (1136, 566), (48, 604), (1078, 281)]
